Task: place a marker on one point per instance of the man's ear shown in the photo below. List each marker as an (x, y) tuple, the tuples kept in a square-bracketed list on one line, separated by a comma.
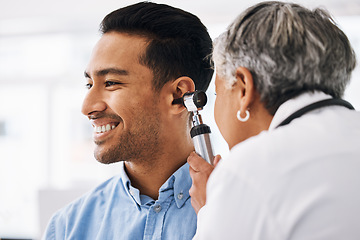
[(177, 90), (246, 88)]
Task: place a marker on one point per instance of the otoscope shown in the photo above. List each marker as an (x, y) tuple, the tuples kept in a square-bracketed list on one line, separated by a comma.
[(194, 102)]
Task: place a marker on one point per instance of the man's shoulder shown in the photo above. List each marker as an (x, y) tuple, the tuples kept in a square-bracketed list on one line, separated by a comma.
[(87, 201), (76, 217)]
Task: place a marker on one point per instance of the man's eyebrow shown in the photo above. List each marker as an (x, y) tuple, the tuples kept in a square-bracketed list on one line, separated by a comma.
[(103, 72)]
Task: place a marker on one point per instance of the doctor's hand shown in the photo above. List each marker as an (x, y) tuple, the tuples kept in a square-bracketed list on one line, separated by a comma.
[(200, 171)]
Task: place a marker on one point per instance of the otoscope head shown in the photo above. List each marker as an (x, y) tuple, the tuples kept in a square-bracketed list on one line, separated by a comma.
[(194, 101)]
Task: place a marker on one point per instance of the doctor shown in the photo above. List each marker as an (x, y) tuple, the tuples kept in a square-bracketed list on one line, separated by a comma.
[(293, 171)]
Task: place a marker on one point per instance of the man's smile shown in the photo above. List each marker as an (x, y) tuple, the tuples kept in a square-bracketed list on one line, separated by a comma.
[(104, 128)]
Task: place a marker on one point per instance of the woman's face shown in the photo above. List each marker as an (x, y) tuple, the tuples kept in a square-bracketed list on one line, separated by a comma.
[(229, 101), (225, 111)]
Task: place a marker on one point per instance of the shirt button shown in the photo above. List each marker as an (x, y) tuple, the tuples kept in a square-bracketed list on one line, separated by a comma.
[(157, 208), (180, 196)]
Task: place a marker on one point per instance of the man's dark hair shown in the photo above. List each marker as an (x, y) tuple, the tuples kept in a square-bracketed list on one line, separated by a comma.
[(179, 44)]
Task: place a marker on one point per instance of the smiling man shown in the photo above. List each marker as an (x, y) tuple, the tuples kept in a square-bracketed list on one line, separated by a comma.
[(149, 55)]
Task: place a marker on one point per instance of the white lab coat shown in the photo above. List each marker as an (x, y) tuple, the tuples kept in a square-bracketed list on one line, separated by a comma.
[(300, 181)]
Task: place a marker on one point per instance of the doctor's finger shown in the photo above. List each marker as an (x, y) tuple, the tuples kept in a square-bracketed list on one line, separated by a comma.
[(217, 159), (197, 163)]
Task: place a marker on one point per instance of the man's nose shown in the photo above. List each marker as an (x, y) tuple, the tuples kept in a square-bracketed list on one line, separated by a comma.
[(93, 102)]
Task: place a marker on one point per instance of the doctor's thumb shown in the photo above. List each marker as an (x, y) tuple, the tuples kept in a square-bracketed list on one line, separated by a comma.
[(217, 159)]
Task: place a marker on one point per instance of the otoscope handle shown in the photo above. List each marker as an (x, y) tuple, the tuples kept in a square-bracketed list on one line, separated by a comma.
[(202, 144)]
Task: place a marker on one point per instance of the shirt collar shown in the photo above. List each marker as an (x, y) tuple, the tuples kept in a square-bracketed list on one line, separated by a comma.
[(180, 182), (294, 104), (132, 192)]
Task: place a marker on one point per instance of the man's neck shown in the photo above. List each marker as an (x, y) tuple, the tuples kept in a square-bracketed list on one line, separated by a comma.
[(148, 178)]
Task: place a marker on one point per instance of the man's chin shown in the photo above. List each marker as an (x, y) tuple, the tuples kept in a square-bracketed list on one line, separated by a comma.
[(105, 156)]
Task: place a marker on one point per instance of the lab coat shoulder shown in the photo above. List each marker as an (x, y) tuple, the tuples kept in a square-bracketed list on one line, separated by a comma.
[(291, 181)]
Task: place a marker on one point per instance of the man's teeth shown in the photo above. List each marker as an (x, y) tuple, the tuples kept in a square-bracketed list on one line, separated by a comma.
[(104, 128)]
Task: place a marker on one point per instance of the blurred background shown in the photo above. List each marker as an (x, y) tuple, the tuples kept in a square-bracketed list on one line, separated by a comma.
[(46, 151)]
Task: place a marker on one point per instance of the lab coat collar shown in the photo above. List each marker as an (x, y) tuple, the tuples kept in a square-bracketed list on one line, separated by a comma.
[(294, 104)]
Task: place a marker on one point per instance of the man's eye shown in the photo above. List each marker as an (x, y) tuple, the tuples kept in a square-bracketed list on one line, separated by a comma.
[(88, 85), (111, 83)]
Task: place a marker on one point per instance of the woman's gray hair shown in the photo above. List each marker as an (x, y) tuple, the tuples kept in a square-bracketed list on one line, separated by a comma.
[(288, 49)]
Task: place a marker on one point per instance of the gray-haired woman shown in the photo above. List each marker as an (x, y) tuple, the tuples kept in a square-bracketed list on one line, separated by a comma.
[(293, 168)]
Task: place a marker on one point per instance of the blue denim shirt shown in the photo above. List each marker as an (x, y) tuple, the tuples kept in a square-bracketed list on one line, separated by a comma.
[(116, 210)]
